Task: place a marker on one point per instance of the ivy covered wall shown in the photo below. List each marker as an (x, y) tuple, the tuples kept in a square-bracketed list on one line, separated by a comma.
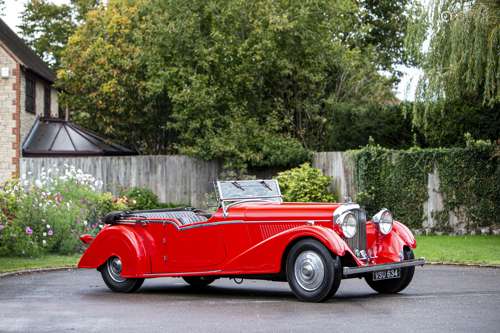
[(449, 190), (468, 181)]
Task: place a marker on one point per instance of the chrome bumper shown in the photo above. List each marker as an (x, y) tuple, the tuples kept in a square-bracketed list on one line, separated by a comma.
[(350, 271)]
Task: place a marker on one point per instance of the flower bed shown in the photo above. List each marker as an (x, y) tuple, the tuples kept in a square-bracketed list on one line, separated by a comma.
[(48, 214)]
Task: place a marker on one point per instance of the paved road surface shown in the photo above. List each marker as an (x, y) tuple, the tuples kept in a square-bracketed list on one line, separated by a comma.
[(440, 299)]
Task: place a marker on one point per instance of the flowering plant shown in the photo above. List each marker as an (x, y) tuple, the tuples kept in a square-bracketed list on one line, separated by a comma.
[(47, 214)]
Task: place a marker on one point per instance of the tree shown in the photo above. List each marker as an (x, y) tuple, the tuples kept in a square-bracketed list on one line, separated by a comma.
[(46, 26), (112, 80), (386, 23), (248, 82), (461, 66)]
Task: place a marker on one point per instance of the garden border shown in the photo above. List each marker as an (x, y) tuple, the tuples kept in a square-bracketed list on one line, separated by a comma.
[(37, 270)]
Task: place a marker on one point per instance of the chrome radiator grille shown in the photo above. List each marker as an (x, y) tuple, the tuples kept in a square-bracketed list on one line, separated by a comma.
[(358, 242)]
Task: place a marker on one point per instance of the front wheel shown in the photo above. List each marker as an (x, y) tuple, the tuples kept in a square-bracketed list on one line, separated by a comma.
[(313, 273), (393, 286), (111, 274)]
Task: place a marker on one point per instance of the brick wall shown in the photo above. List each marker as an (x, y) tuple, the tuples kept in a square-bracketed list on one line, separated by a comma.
[(8, 130)]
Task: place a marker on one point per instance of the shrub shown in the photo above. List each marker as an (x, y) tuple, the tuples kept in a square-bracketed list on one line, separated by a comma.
[(141, 198), (305, 184), (350, 126)]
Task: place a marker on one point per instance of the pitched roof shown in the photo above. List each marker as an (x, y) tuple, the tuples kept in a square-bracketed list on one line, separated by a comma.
[(56, 137), (24, 53)]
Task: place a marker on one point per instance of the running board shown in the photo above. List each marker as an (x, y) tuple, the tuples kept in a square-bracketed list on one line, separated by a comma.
[(349, 271)]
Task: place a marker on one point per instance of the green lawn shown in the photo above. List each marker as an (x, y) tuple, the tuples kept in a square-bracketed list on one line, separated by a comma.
[(459, 249), (9, 264)]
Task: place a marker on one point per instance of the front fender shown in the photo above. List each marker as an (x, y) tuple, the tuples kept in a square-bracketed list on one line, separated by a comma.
[(267, 255), (125, 242), (388, 248), (405, 234)]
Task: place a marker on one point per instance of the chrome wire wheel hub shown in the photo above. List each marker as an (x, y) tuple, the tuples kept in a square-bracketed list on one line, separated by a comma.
[(309, 270), (114, 267)]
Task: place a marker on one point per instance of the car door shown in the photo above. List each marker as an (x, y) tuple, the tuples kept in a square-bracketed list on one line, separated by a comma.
[(194, 248)]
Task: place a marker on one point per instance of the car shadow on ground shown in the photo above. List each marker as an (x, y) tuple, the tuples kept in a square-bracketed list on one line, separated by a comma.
[(247, 292), (219, 291)]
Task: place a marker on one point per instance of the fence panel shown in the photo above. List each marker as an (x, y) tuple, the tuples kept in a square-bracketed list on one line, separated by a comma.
[(174, 178)]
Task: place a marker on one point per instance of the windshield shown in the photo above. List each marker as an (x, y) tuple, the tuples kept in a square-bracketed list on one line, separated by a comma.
[(248, 189)]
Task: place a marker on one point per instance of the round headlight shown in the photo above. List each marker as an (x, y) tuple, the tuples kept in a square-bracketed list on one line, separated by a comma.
[(384, 221), (348, 223)]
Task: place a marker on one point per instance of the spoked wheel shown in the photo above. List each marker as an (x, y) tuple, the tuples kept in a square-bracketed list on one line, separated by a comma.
[(393, 286), (111, 274), (312, 272), (198, 281)]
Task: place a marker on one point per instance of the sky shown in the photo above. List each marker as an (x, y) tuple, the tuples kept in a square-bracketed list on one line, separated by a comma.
[(404, 91)]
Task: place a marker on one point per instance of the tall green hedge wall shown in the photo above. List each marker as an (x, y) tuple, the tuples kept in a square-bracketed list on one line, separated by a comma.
[(397, 179)]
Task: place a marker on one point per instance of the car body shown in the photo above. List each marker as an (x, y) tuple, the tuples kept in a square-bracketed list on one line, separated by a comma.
[(254, 234)]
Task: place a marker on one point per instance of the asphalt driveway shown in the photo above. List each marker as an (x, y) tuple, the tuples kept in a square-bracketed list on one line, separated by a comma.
[(440, 299)]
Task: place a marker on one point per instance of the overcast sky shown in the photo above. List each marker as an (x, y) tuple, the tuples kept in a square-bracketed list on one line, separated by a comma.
[(405, 90)]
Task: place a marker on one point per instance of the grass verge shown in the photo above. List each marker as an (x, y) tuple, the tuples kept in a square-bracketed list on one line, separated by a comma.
[(10, 264), (459, 249)]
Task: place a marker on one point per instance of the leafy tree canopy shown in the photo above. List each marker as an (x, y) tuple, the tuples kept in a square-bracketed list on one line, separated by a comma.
[(46, 26), (249, 82), (462, 60), (457, 45)]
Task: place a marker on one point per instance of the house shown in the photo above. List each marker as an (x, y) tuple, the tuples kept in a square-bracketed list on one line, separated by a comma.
[(31, 124), (26, 91)]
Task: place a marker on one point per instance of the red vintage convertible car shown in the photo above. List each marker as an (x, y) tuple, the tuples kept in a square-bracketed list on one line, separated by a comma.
[(255, 235)]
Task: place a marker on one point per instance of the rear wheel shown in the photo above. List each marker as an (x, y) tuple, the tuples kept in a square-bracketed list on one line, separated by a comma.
[(393, 286), (198, 281), (312, 272), (111, 274)]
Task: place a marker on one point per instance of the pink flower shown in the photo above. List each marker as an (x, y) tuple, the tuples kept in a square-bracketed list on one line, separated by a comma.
[(1, 227), (50, 232), (28, 231)]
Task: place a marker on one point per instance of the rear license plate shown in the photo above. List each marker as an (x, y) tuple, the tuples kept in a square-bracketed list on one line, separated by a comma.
[(387, 274)]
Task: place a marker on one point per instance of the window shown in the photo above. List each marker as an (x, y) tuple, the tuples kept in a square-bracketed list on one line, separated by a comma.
[(46, 101), (30, 94)]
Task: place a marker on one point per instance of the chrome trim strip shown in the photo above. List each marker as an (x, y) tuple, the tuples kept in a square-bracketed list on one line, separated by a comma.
[(211, 224), (375, 268), (285, 221)]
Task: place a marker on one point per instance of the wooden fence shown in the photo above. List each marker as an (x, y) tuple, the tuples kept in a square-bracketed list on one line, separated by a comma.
[(184, 180), (174, 178)]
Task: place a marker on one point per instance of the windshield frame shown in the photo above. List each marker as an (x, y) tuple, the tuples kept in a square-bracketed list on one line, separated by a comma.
[(226, 202)]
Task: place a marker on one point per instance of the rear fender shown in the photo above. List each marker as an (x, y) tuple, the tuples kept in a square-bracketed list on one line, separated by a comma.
[(124, 242), (267, 255)]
